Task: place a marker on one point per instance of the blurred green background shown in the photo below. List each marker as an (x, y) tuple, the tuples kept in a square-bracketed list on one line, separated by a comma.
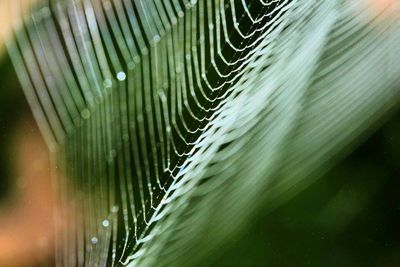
[(349, 217)]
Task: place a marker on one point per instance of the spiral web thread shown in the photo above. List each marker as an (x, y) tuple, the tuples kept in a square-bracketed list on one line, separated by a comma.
[(173, 120)]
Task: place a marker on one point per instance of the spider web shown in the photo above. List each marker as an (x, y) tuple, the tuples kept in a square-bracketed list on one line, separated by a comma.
[(173, 120)]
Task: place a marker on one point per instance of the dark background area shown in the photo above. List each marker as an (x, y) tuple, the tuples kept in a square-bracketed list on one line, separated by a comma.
[(349, 217), (13, 106)]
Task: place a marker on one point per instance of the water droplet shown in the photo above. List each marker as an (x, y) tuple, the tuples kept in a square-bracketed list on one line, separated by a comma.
[(94, 240), (125, 137), (53, 147), (45, 12), (131, 65), (107, 83), (99, 99), (136, 59), (115, 209), (85, 113), (121, 76), (144, 51), (156, 38), (106, 223)]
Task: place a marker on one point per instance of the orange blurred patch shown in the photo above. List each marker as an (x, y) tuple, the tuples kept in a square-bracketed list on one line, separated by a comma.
[(27, 223), (383, 6)]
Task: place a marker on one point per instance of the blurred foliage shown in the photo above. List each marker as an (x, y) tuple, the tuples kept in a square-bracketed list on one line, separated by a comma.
[(12, 107), (349, 217)]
